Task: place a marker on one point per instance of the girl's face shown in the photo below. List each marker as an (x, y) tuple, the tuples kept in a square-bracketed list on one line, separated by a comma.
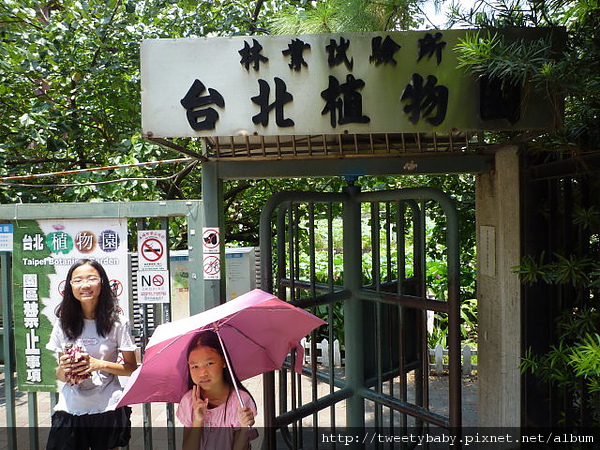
[(206, 367), (86, 284)]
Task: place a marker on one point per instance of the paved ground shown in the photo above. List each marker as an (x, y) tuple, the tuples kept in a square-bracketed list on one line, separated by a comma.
[(438, 404)]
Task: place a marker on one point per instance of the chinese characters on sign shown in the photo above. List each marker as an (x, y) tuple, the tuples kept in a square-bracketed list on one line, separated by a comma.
[(193, 102), (31, 323), (342, 101)]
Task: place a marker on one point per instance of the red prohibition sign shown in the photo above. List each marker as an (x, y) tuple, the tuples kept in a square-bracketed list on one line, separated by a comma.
[(212, 265), (152, 249), (158, 280), (116, 287), (211, 238)]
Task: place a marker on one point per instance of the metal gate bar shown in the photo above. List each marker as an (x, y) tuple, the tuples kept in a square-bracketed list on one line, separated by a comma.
[(9, 363), (453, 303)]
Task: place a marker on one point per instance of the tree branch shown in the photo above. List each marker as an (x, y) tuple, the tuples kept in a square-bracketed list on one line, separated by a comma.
[(255, 14), (179, 177)]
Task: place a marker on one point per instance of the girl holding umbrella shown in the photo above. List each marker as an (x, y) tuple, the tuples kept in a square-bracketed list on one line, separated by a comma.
[(218, 411)]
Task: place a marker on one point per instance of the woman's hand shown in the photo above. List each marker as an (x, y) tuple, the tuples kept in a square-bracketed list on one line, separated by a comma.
[(82, 366), (73, 371), (199, 406), (79, 370), (245, 417), (89, 364), (93, 364), (64, 368)]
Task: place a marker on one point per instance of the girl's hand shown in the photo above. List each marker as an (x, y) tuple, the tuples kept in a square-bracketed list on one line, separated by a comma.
[(88, 364), (74, 370), (199, 406), (64, 365), (82, 367), (93, 364), (245, 417)]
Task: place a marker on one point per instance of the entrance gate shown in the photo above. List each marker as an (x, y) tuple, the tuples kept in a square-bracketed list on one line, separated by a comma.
[(380, 316), (358, 259)]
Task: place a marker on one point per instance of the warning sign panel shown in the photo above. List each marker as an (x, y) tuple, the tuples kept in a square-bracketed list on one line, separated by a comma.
[(152, 254), (6, 237), (210, 240), (153, 286), (211, 266)]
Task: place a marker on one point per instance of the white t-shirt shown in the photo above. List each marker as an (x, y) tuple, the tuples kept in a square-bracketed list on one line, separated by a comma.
[(102, 391)]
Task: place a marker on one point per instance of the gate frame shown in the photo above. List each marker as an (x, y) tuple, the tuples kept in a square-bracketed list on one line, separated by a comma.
[(487, 166)]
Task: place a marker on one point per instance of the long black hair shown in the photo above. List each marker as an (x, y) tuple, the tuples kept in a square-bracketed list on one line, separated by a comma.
[(210, 339), (69, 309)]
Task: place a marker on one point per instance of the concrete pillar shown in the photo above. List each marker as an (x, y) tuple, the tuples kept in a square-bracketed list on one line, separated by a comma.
[(498, 249)]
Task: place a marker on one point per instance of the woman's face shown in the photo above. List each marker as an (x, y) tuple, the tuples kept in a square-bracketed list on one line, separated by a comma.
[(206, 367), (86, 284)]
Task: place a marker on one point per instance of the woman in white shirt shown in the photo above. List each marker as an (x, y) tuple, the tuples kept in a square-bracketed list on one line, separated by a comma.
[(88, 337)]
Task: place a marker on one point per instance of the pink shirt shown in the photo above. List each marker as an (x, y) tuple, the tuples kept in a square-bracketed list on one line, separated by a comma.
[(219, 422)]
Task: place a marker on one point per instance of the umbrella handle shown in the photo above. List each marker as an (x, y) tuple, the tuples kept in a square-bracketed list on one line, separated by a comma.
[(235, 386)]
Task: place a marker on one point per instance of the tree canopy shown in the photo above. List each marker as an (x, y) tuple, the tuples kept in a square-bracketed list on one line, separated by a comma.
[(70, 100), (70, 91), (568, 68)]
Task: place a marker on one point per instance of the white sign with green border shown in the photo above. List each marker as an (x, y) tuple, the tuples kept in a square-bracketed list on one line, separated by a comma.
[(43, 252)]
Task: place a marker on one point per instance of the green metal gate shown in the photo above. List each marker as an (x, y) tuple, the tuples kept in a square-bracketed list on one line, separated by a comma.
[(358, 260)]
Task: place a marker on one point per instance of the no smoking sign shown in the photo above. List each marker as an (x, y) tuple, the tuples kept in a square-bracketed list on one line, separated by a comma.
[(152, 250), (153, 286), (152, 246)]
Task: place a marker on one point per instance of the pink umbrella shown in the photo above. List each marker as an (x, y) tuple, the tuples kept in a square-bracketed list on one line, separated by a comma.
[(257, 328)]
